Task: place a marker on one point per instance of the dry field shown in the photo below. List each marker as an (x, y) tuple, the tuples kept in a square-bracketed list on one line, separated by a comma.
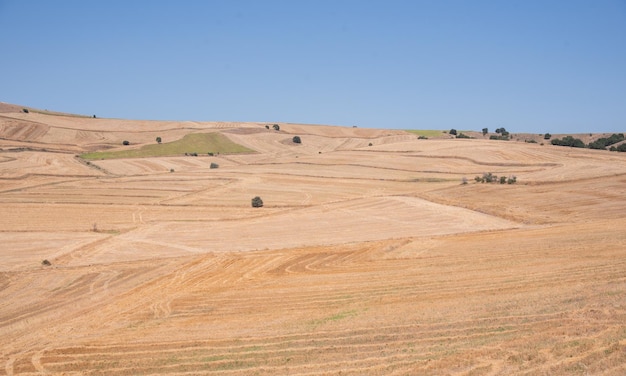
[(365, 260)]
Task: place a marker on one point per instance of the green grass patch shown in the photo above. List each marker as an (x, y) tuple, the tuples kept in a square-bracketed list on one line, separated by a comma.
[(201, 143), (426, 132)]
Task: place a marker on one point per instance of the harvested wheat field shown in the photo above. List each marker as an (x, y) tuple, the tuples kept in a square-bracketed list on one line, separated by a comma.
[(369, 257)]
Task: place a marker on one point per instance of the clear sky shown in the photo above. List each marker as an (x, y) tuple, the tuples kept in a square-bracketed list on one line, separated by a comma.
[(529, 66)]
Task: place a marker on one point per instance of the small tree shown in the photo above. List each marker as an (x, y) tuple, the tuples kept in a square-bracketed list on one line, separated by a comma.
[(485, 131), (158, 140), (547, 136), (276, 127), (452, 132), (126, 143), (296, 140), (257, 202)]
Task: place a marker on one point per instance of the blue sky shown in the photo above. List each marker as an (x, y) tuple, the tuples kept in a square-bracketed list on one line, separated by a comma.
[(529, 66)]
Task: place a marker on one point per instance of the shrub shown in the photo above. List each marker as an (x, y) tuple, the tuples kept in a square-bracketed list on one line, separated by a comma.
[(214, 165), (125, 143), (547, 136), (296, 140), (622, 148), (452, 132), (158, 140), (462, 135), (485, 131), (267, 127), (370, 144), (276, 127), (502, 179), (531, 141), (512, 179), (257, 202), (46, 263), (171, 170), (464, 180), (422, 138), (210, 154), (25, 110)]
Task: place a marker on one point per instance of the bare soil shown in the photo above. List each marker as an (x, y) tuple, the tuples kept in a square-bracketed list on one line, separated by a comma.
[(364, 260)]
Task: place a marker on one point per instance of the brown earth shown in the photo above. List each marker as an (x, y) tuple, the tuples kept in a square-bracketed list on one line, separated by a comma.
[(365, 260)]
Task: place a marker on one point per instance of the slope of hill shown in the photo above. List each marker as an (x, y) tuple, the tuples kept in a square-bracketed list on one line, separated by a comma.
[(364, 259)]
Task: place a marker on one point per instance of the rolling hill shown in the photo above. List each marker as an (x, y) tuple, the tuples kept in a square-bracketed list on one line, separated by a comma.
[(369, 255)]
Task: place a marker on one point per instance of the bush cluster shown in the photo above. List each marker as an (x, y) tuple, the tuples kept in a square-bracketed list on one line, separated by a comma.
[(603, 142), (491, 178), (621, 148), (600, 144), (501, 137), (568, 141)]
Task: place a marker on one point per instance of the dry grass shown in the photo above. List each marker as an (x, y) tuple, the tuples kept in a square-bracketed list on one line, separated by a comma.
[(364, 259)]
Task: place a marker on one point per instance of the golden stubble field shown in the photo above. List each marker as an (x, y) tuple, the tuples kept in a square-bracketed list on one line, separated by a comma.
[(364, 260)]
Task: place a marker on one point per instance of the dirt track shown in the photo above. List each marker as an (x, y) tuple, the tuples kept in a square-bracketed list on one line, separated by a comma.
[(364, 260)]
